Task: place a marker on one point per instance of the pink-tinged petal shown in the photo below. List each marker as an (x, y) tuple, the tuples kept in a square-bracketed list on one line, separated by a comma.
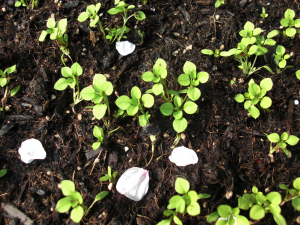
[(31, 149), (183, 156), (134, 183), (125, 47)]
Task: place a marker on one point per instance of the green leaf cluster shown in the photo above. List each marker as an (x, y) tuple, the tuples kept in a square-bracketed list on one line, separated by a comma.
[(98, 93), (4, 80), (282, 141), (71, 79), (3, 172), (184, 203), (264, 14), (189, 78), (122, 8), (56, 31), (252, 43), (280, 59), (99, 134), (293, 194), (216, 53), (110, 177), (135, 103), (225, 215), (255, 95), (289, 22), (158, 77), (25, 3), (260, 204), (92, 14), (74, 199)]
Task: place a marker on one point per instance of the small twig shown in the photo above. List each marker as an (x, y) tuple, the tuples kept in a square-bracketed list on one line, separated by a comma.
[(95, 161)]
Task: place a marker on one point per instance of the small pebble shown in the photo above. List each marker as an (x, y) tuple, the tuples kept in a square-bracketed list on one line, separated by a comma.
[(126, 149), (292, 54), (53, 97), (182, 136), (296, 102), (176, 34), (40, 192), (79, 168), (47, 118), (83, 53), (68, 111), (7, 108), (228, 194), (79, 116), (15, 24), (3, 9), (217, 17), (110, 186)]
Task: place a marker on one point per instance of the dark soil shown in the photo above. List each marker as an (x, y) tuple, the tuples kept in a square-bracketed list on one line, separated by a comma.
[(231, 146)]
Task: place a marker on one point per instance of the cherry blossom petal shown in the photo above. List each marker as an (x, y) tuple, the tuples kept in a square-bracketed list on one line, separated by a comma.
[(31, 149), (183, 156), (125, 47), (134, 183)]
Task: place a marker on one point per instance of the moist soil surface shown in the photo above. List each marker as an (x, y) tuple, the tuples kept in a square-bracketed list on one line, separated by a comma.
[(231, 145)]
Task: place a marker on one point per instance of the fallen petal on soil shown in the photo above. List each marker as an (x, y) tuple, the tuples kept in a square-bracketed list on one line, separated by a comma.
[(31, 149), (183, 156), (125, 47)]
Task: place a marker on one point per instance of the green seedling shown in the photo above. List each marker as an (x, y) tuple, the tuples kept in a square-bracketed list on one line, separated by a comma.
[(57, 33), (99, 134), (225, 215), (186, 104), (292, 194), (98, 93), (289, 22), (260, 204), (74, 199), (264, 14), (255, 95), (216, 53), (110, 177), (219, 3), (21, 3), (281, 142), (92, 14), (280, 59), (184, 203), (144, 2), (122, 8), (3, 172), (251, 44), (136, 103), (141, 34), (71, 79), (158, 77), (4, 80)]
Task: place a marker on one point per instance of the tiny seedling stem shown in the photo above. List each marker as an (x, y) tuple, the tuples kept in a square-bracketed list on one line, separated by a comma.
[(153, 141)]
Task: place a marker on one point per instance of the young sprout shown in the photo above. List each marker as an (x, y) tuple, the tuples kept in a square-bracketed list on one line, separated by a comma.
[(3, 172), (281, 142), (92, 14), (219, 3), (74, 199), (4, 80), (71, 79), (255, 95), (122, 8), (134, 183), (280, 59), (21, 3), (110, 177), (187, 203), (264, 14), (57, 33), (292, 194), (289, 22), (99, 134)]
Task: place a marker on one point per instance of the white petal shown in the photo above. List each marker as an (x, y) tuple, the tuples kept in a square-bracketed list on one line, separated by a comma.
[(183, 156), (134, 183), (31, 149), (125, 47)]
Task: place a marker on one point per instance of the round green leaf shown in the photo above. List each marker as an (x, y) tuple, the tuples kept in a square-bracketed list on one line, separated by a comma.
[(190, 107), (182, 186), (249, 26), (279, 219), (242, 203), (188, 67), (168, 212), (95, 146), (282, 63), (239, 98), (15, 90), (193, 195), (254, 112), (298, 74), (254, 90), (3, 172), (51, 23), (203, 77), (193, 209), (76, 69), (66, 72), (61, 84), (284, 136), (147, 100), (290, 32), (148, 76), (177, 220), (252, 50), (83, 16), (166, 109), (67, 187), (194, 93), (292, 140), (274, 197), (296, 203), (136, 92), (274, 209), (88, 93), (132, 110), (143, 120), (178, 114), (99, 111), (43, 36), (139, 15), (174, 201), (272, 34), (107, 88), (184, 80), (63, 205), (203, 196), (123, 102), (157, 89), (266, 102), (257, 212), (180, 207), (76, 198), (224, 210), (77, 214), (289, 14), (241, 220), (180, 125), (98, 133), (296, 183), (212, 217), (274, 138)]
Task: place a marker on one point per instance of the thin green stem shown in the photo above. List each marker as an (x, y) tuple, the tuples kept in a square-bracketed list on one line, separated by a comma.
[(107, 104), (5, 93), (101, 28), (164, 84), (253, 63)]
